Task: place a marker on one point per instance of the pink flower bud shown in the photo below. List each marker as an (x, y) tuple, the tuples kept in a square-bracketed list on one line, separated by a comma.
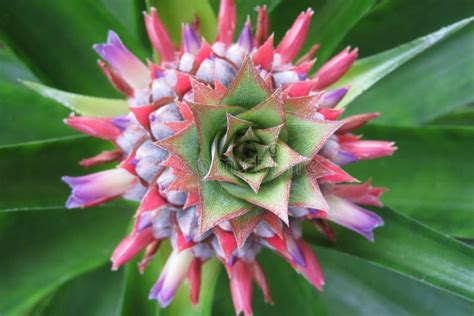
[(94, 126), (241, 287), (294, 38), (227, 21), (356, 121), (172, 275), (263, 26), (98, 187), (335, 68), (159, 36), (130, 246)]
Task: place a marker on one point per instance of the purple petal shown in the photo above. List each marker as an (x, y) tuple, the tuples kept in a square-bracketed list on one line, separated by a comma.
[(344, 157), (331, 98), (295, 252), (353, 217), (191, 41), (129, 67), (246, 37), (121, 122)]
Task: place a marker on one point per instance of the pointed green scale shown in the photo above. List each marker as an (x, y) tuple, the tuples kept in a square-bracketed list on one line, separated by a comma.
[(305, 191), (249, 136), (253, 179), (243, 226), (218, 171), (307, 136), (266, 114), (185, 145), (234, 125), (272, 196), (247, 89), (285, 159), (267, 162), (209, 120), (270, 135), (217, 205)]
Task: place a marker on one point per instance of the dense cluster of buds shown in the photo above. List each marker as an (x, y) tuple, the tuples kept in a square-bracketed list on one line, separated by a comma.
[(228, 147)]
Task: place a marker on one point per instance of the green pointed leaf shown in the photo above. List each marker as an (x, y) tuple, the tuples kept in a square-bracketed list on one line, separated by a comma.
[(414, 250), (429, 177), (244, 225), (185, 145), (249, 136), (307, 136), (253, 179), (65, 245), (267, 162), (218, 170), (55, 39), (209, 121), (247, 90), (217, 205), (31, 173), (267, 114), (272, 196), (285, 159), (234, 125), (99, 292), (305, 191), (366, 72), (269, 136), (82, 104), (447, 85)]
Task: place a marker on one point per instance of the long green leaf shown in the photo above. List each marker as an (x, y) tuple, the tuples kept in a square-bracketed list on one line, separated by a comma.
[(30, 173), (461, 117), (26, 116), (394, 22), (11, 68), (414, 250), (82, 104), (42, 250), (96, 293), (429, 177), (366, 72), (54, 39), (353, 287), (447, 84)]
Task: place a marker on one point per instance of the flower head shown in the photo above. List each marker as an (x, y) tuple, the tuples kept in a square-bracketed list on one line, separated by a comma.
[(229, 147)]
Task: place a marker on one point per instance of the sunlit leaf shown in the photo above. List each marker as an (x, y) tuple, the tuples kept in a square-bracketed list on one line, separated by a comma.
[(82, 104), (366, 72)]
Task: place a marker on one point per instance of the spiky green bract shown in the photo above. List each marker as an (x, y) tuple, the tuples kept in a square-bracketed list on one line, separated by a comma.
[(250, 152)]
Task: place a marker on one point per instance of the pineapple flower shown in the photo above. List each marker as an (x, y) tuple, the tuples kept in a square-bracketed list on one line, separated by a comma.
[(229, 147)]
